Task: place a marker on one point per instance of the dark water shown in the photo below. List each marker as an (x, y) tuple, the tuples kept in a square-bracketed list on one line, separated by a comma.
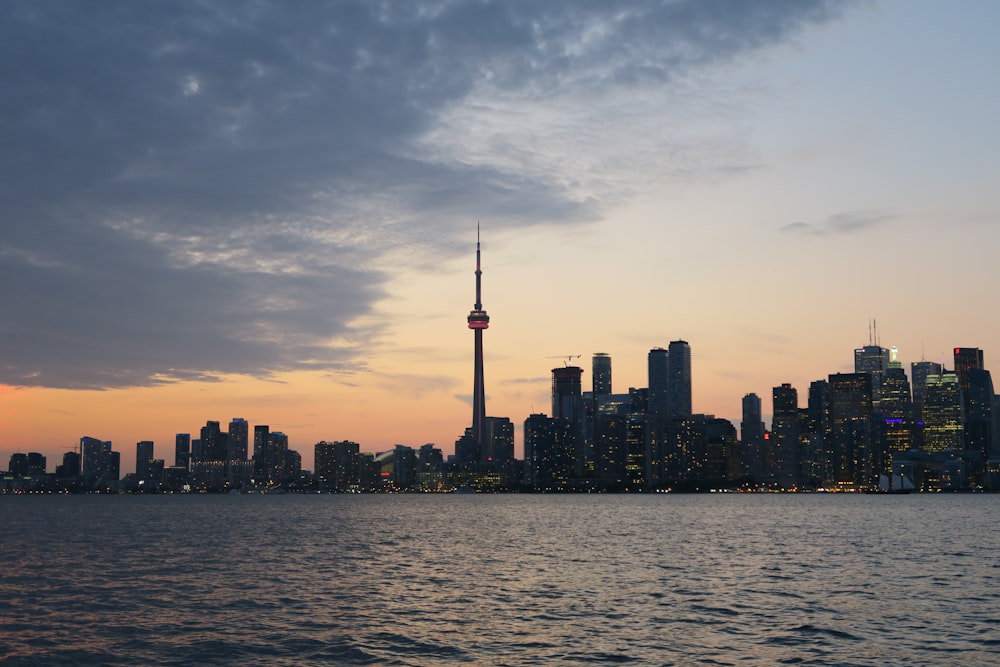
[(500, 580)]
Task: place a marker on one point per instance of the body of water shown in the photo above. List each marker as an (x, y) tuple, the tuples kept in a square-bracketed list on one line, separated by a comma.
[(500, 580)]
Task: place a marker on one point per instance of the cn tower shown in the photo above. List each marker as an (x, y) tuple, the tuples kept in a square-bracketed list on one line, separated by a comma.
[(478, 321)]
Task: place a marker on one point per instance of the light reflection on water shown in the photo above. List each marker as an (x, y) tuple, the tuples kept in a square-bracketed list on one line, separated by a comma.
[(500, 580)]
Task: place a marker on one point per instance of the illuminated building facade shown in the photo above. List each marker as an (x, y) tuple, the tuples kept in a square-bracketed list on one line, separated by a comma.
[(944, 413), (850, 446)]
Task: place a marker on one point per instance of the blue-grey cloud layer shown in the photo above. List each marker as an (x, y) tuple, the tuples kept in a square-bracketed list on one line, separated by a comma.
[(190, 189)]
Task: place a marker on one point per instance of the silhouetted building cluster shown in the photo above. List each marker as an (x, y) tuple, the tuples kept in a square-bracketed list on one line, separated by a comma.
[(873, 429)]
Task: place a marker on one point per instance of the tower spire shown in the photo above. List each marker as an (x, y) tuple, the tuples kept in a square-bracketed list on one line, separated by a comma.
[(479, 274)]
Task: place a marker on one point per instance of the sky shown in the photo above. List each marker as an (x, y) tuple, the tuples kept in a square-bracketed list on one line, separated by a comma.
[(268, 210)]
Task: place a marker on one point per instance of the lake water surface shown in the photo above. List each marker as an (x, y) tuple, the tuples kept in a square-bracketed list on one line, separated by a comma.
[(500, 580)]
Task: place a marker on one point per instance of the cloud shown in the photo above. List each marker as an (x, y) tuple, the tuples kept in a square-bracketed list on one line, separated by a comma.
[(841, 223), (192, 190)]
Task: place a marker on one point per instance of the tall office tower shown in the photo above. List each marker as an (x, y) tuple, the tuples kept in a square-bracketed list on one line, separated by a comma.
[(657, 369), (479, 321), (566, 393), (323, 464), (549, 451), (896, 412), (782, 451), (601, 374), (752, 425), (678, 379), (143, 458), (853, 463), (979, 419), (182, 450), (873, 359), (817, 468), (944, 413), (567, 403), (239, 437), (212, 446), (751, 437), (966, 359), (818, 409), (262, 462), (281, 462), (919, 370), (896, 401)]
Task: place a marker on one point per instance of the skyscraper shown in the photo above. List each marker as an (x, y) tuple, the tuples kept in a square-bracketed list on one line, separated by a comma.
[(751, 437), (850, 444), (967, 359), (478, 322), (944, 413), (782, 453), (919, 371), (262, 458), (143, 458), (679, 379), (548, 452), (657, 365), (182, 450), (874, 360), (99, 463), (566, 393), (239, 436), (212, 445), (567, 403), (979, 418), (601, 374)]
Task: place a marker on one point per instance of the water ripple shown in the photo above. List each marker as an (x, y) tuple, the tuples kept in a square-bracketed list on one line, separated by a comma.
[(498, 580)]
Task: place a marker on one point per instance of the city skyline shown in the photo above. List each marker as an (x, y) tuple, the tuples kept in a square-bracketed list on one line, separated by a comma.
[(268, 224), (564, 382)]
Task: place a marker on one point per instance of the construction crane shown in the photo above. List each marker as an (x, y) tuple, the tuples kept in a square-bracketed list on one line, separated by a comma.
[(567, 358)]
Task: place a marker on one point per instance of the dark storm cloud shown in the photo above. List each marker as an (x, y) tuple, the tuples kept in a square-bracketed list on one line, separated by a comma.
[(190, 189)]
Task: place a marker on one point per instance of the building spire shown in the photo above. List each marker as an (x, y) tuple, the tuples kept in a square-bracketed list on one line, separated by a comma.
[(479, 274)]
